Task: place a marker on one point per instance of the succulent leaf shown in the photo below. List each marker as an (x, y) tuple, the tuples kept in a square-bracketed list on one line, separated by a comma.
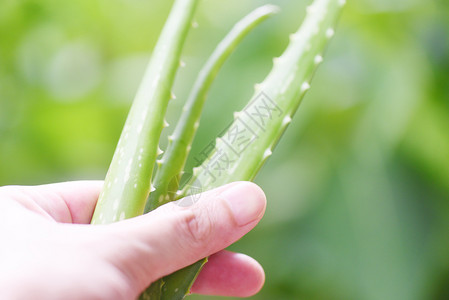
[(127, 183), (170, 167), (256, 129), (168, 176), (249, 141)]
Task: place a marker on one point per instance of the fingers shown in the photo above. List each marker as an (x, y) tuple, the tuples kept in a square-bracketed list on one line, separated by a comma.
[(230, 274), (79, 197), (172, 237), (68, 202)]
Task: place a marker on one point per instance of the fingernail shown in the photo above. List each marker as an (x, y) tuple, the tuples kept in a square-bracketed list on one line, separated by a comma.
[(246, 201)]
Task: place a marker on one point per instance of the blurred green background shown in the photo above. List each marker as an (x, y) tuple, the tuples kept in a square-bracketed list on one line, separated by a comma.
[(358, 188)]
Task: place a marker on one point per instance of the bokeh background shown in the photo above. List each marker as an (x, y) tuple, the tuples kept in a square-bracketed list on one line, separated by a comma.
[(358, 188)]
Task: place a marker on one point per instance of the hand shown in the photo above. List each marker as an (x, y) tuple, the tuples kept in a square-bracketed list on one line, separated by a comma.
[(44, 256)]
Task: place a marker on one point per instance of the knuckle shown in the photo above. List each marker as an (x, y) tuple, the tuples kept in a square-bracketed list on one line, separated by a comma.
[(197, 228)]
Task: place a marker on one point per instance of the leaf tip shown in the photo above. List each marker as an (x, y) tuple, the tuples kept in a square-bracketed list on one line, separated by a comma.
[(269, 9)]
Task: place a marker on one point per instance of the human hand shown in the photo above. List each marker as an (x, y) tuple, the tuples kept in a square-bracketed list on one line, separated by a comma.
[(44, 256)]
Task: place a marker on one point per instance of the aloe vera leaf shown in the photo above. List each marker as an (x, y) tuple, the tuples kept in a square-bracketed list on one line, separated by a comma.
[(153, 292), (127, 182), (249, 141), (242, 150), (168, 175), (173, 289)]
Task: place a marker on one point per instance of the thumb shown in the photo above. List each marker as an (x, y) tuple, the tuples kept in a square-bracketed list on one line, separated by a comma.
[(172, 237)]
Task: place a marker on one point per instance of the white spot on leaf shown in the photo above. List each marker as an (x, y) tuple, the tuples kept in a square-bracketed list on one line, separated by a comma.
[(267, 153), (305, 86), (287, 120), (128, 171)]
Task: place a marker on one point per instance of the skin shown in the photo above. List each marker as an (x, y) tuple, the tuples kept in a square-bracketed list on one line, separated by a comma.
[(50, 252)]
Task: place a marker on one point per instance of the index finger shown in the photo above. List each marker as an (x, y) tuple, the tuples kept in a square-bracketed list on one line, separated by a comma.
[(67, 202)]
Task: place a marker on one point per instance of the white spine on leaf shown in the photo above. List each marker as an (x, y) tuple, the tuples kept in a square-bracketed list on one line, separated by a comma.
[(267, 153), (305, 86), (287, 120)]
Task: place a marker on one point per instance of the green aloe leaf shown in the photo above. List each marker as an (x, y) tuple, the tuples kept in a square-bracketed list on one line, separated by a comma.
[(127, 183), (241, 151), (166, 182), (168, 175)]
